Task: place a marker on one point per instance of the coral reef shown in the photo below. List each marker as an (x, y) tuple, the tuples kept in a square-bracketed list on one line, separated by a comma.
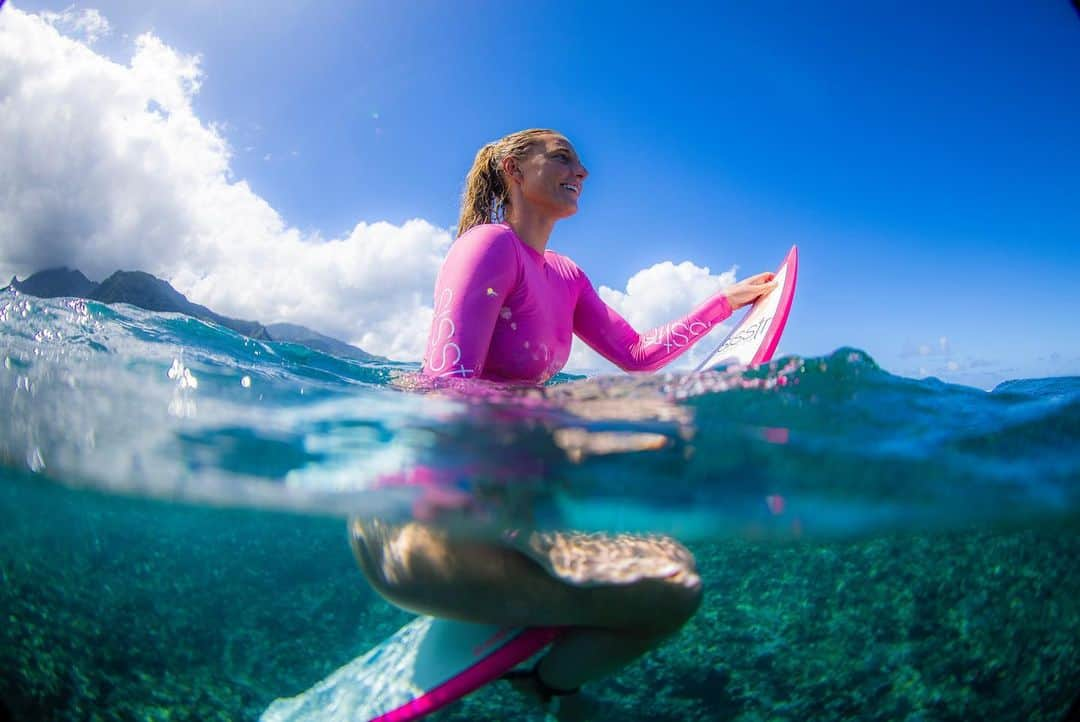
[(124, 609)]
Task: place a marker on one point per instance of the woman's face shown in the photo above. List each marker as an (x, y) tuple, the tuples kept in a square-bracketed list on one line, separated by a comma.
[(551, 176)]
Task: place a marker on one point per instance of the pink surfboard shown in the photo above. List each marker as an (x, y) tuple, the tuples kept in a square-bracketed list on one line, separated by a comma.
[(424, 666), (755, 338)]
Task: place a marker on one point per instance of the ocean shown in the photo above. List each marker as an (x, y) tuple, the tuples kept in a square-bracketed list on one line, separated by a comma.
[(174, 498)]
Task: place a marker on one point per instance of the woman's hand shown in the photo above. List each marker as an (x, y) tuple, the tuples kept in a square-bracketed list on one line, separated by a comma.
[(749, 290)]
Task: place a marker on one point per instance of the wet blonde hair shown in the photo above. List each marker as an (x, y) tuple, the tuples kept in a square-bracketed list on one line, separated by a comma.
[(487, 193)]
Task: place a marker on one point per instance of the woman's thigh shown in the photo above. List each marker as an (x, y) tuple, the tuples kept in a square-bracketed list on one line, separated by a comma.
[(424, 570)]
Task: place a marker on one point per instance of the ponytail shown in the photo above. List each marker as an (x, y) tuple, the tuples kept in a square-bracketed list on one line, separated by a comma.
[(485, 195)]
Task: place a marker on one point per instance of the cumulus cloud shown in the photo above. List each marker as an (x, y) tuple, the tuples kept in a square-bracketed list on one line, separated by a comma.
[(106, 166), (654, 296)]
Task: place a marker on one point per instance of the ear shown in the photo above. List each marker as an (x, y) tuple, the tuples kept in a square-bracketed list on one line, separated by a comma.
[(510, 168)]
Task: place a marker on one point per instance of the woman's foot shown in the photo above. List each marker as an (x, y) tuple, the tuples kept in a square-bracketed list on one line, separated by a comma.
[(561, 705), (578, 707)]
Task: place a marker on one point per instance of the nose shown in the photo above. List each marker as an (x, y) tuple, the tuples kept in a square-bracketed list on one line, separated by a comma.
[(581, 171)]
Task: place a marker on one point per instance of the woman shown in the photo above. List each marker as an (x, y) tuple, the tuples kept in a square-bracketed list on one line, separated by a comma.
[(506, 309)]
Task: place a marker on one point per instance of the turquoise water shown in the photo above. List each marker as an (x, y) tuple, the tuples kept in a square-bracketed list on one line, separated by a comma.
[(875, 547)]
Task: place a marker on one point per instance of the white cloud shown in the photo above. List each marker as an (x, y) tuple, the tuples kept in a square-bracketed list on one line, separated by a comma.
[(106, 166), (941, 348), (89, 24), (654, 296)]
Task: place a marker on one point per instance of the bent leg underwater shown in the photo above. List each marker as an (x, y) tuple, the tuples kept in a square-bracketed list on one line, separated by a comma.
[(422, 569)]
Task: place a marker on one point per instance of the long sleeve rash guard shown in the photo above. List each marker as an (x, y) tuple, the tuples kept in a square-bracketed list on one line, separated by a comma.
[(504, 312)]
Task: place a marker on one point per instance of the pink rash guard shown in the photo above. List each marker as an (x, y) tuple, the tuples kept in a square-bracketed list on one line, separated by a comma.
[(503, 312)]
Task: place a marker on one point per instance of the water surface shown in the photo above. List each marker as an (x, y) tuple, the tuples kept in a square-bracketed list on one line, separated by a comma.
[(875, 547)]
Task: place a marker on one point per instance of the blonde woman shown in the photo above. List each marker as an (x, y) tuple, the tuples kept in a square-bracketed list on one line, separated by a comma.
[(506, 309)]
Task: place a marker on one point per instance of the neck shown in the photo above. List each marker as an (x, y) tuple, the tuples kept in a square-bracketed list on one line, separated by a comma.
[(531, 227)]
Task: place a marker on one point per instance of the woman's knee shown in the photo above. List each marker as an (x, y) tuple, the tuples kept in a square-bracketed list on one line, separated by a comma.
[(681, 598), (654, 606), (682, 583)]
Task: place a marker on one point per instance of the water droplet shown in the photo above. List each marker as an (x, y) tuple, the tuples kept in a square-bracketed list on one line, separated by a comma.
[(34, 459)]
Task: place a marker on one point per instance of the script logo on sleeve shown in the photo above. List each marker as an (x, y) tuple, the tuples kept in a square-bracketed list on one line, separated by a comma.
[(444, 355), (676, 335)]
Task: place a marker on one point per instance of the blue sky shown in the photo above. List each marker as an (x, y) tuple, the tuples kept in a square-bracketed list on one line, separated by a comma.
[(926, 160)]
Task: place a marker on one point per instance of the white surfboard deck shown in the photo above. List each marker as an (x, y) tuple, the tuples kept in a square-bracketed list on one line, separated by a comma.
[(755, 338), (424, 666)]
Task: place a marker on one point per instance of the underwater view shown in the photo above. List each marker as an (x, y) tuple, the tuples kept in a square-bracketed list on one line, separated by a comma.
[(309, 347), (175, 499)]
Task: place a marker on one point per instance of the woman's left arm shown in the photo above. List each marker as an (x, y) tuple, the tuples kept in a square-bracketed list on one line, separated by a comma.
[(610, 335)]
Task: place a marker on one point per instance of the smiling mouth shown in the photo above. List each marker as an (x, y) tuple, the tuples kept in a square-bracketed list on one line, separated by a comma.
[(572, 188)]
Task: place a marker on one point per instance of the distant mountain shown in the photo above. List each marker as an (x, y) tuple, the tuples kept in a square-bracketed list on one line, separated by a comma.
[(153, 294), (54, 283), (150, 292), (304, 336)]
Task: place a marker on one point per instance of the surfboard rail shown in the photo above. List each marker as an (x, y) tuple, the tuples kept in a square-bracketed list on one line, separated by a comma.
[(525, 643)]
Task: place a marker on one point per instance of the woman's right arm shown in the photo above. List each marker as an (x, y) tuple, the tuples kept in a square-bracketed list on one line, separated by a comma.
[(476, 278)]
